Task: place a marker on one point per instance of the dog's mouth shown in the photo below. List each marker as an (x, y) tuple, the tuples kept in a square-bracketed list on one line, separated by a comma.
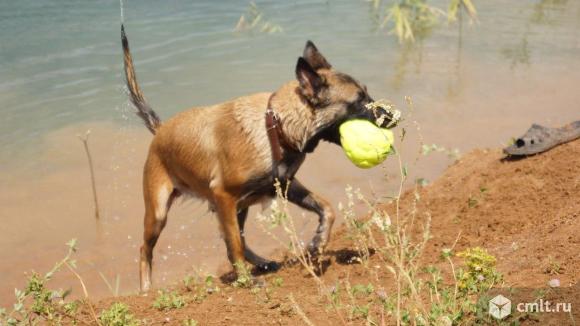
[(382, 113)]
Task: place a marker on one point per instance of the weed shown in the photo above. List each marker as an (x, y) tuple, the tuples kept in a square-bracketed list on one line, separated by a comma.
[(360, 311), (422, 182), (278, 281), (190, 282), (280, 217), (113, 289), (553, 267), (434, 148), (479, 274), (200, 285), (414, 19), (190, 322), (254, 20), (455, 6), (472, 202), (244, 277), (391, 241), (118, 315), (398, 238), (362, 290), (38, 304), (262, 293), (299, 310), (210, 285), (169, 300), (85, 140)]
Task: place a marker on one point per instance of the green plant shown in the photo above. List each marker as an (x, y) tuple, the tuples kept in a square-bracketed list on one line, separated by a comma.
[(113, 289), (362, 290), (118, 314), (169, 300), (455, 6), (389, 244), (190, 282), (254, 20), (553, 267), (360, 311), (190, 322), (414, 19), (423, 182), (398, 239), (280, 218), (333, 294), (278, 281), (39, 304), (543, 9), (479, 273), (244, 277), (472, 202), (200, 285), (451, 153), (518, 53)]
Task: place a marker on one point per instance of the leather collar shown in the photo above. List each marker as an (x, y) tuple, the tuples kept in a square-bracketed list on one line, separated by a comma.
[(276, 137)]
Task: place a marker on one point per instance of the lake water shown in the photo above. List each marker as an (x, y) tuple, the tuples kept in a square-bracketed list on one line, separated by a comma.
[(61, 74)]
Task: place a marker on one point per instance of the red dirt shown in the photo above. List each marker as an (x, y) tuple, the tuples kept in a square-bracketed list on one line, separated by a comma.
[(525, 212)]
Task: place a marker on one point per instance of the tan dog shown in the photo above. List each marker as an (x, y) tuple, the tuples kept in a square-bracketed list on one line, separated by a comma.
[(221, 153)]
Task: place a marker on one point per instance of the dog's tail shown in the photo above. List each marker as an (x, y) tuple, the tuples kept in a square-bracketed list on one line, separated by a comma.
[(150, 118)]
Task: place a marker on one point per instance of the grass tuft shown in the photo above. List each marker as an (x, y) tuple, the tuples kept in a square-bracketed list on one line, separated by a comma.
[(169, 300), (118, 315)]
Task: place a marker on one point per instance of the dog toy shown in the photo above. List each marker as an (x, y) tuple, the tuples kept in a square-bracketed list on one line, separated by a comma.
[(383, 109), (365, 144)]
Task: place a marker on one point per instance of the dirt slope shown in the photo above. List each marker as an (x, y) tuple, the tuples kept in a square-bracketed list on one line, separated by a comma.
[(525, 212)]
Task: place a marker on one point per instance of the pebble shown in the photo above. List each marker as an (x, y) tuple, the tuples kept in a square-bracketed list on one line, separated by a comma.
[(554, 283)]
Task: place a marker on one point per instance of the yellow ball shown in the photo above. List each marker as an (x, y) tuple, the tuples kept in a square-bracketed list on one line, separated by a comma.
[(365, 144)]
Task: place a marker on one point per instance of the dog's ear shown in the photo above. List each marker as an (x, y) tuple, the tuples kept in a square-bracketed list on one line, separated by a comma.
[(310, 81), (314, 57)]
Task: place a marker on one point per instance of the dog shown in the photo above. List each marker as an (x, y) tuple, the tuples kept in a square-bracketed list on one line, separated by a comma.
[(231, 154)]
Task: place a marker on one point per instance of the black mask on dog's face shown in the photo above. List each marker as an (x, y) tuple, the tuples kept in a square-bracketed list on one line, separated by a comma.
[(334, 96)]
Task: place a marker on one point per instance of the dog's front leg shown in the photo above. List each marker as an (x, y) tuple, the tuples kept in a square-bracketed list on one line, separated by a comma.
[(227, 214), (253, 258), (299, 195)]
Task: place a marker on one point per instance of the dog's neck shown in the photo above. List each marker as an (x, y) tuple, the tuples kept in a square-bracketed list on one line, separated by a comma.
[(297, 117)]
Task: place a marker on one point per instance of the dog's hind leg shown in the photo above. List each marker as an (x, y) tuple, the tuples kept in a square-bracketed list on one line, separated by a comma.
[(158, 193), (253, 258), (299, 195)]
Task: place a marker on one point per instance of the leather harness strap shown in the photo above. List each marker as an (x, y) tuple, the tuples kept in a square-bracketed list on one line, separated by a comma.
[(274, 131)]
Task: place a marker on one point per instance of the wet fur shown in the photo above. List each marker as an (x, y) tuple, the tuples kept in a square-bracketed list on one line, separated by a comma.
[(221, 153)]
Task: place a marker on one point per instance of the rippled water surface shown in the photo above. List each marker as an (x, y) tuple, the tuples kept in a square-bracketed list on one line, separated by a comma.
[(473, 85)]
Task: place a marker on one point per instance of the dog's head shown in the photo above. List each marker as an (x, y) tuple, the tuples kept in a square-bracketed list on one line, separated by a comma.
[(333, 96)]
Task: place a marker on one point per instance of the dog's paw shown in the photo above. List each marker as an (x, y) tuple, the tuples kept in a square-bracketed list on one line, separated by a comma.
[(268, 267), (316, 247)]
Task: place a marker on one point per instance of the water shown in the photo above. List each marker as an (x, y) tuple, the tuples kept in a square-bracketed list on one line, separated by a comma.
[(60, 74), (60, 61)]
